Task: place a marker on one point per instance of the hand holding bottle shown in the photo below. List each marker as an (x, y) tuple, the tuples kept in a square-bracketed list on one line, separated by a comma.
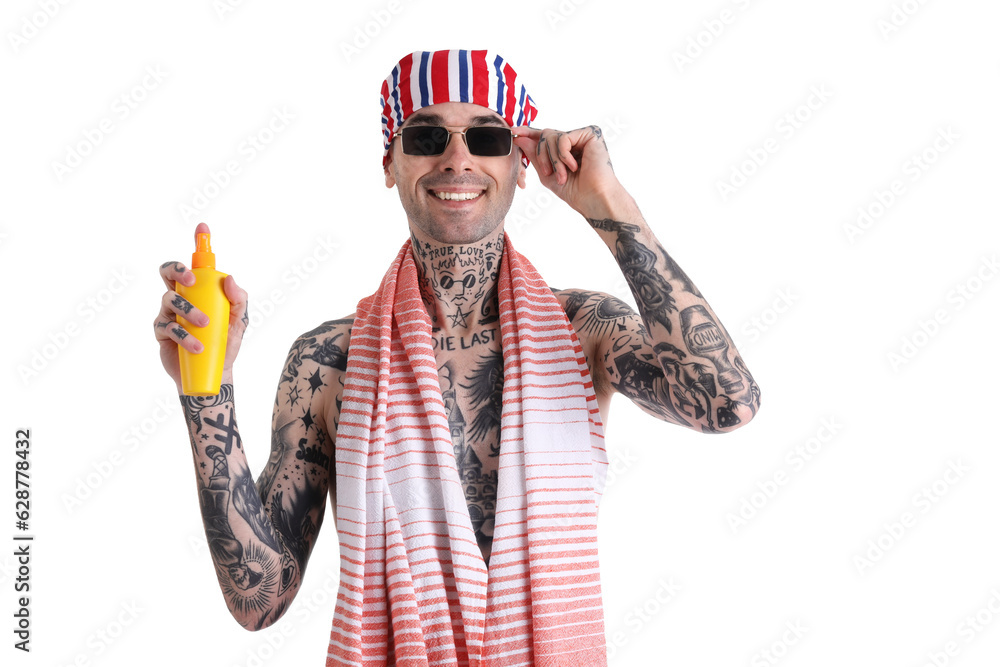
[(180, 325)]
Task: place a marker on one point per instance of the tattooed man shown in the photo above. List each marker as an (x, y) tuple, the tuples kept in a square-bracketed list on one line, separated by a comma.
[(456, 174)]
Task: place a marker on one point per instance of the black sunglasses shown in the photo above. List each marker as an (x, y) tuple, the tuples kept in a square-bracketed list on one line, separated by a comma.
[(482, 140)]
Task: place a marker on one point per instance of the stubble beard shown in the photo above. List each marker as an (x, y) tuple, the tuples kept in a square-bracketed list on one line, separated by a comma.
[(459, 228)]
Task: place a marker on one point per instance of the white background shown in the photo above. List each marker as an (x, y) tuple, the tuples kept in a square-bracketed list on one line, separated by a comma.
[(817, 311)]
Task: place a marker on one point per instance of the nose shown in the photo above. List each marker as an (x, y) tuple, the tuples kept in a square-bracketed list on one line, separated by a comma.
[(456, 156)]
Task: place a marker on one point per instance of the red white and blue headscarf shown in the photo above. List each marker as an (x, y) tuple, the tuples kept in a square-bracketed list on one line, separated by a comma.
[(424, 78)]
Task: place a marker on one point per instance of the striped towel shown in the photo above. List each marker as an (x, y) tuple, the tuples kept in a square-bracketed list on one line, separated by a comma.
[(414, 586)]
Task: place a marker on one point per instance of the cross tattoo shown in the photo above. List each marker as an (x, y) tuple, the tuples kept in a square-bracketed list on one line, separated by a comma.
[(230, 434)]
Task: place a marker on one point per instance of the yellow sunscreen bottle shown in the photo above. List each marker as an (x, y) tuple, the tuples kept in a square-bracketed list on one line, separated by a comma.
[(201, 374)]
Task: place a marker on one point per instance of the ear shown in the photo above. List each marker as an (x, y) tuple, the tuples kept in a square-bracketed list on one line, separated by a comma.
[(390, 177)]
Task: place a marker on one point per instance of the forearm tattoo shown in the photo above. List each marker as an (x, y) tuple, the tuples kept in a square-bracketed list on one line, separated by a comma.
[(652, 292), (253, 574), (248, 575), (193, 405), (680, 366)]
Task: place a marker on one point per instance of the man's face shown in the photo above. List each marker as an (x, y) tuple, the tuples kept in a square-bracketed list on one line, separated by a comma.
[(420, 178)]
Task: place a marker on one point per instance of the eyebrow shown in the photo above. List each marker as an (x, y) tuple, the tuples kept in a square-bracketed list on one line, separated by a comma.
[(430, 118)]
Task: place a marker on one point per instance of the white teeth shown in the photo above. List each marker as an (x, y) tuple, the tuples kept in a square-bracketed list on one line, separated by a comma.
[(460, 196)]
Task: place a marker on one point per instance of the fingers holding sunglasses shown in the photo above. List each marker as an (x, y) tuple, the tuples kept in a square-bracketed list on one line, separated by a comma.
[(548, 143), (553, 150), (529, 140), (563, 144)]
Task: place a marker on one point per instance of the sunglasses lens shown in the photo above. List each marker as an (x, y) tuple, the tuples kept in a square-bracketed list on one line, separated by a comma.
[(488, 141), (431, 140), (424, 140)]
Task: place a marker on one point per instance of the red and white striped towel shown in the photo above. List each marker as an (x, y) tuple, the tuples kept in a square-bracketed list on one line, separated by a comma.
[(414, 587)]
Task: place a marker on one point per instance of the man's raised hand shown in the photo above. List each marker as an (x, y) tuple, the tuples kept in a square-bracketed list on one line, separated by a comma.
[(574, 165)]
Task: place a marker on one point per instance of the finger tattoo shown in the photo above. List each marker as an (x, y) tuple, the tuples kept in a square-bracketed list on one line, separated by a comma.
[(181, 303)]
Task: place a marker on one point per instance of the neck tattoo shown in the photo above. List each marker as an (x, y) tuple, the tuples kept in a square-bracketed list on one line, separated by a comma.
[(458, 283)]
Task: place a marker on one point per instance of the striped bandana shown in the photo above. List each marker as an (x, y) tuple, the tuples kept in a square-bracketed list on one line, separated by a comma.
[(424, 78)]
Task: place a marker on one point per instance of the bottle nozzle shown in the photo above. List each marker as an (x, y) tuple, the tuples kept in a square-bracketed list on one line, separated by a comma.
[(203, 257)]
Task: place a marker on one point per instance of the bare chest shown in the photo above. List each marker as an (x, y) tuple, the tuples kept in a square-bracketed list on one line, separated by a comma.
[(470, 369)]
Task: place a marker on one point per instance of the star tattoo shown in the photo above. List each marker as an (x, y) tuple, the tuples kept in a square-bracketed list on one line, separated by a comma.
[(315, 381), (458, 319), (293, 395), (307, 419)]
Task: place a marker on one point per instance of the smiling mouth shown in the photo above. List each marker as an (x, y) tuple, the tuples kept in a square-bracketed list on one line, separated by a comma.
[(456, 196)]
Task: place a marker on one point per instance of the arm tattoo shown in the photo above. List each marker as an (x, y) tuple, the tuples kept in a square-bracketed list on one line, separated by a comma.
[(704, 339), (670, 381), (296, 526), (247, 575), (279, 448), (193, 405), (652, 292)]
